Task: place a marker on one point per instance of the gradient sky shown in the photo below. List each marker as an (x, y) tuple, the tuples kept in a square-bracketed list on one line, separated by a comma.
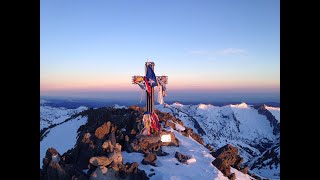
[(203, 46)]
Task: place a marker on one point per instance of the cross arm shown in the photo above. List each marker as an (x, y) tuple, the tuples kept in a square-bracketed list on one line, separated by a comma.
[(137, 79)]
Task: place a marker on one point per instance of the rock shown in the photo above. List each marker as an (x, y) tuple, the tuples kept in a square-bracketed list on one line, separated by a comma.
[(103, 130), (174, 140), (149, 159), (187, 132), (151, 174), (245, 170), (208, 146), (180, 122), (232, 176), (238, 162), (55, 171), (107, 146), (229, 154), (116, 157), (102, 173), (51, 167), (100, 161), (74, 172), (182, 158), (222, 166), (132, 168), (169, 124), (85, 149), (198, 138)]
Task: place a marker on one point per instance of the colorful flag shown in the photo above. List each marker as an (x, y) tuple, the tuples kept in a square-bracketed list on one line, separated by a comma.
[(148, 88), (151, 77)]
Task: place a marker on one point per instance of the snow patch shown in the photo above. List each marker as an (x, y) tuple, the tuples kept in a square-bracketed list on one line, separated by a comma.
[(116, 106)]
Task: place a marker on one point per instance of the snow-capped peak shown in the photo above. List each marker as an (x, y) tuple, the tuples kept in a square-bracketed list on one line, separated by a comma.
[(242, 105), (177, 104), (203, 106)]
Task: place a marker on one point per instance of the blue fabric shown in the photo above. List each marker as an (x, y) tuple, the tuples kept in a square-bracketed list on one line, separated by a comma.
[(147, 112), (151, 77)]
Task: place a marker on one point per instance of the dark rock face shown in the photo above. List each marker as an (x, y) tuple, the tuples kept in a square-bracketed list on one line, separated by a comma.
[(182, 158), (54, 167), (273, 121), (222, 166), (208, 146), (270, 158)]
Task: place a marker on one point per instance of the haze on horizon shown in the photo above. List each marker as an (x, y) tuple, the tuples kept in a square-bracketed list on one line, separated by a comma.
[(209, 49)]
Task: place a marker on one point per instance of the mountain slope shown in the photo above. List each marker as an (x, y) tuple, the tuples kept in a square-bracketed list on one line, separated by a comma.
[(62, 137), (53, 115), (252, 129)]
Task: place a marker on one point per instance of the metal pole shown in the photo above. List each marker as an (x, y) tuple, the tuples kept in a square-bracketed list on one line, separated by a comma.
[(150, 98)]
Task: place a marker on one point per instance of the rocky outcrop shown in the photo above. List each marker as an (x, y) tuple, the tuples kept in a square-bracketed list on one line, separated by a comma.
[(54, 167), (227, 156), (189, 132), (273, 121)]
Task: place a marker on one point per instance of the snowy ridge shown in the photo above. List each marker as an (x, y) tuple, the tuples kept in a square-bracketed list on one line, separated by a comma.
[(240, 125), (275, 111), (199, 167), (62, 137), (53, 115), (116, 106)]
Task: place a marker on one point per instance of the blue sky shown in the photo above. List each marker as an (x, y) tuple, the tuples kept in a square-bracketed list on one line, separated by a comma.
[(206, 46)]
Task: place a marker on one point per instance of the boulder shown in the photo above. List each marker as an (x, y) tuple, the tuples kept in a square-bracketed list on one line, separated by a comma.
[(103, 130), (174, 140), (100, 161), (150, 159), (182, 158)]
